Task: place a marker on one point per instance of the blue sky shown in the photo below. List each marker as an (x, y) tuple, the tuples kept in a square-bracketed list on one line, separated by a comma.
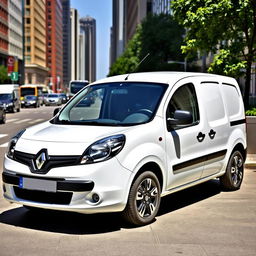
[(101, 10)]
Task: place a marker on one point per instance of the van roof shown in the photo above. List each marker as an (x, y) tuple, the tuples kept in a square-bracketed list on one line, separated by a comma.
[(161, 77)]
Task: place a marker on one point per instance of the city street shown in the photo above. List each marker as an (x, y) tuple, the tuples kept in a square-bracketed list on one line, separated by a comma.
[(201, 221)]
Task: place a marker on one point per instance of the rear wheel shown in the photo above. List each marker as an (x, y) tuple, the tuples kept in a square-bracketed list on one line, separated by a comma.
[(144, 199), (233, 177)]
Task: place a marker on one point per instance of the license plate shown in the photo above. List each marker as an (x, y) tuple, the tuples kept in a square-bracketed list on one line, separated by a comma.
[(37, 184)]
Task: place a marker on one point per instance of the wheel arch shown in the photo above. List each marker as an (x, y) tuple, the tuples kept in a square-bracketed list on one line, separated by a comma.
[(240, 147), (155, 168)]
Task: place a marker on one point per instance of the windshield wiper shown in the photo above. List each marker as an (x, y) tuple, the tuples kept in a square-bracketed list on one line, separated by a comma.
[(64, 121)]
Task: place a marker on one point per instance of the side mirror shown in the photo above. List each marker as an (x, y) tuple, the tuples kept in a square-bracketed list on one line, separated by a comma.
[(56, 111), (181, 117)]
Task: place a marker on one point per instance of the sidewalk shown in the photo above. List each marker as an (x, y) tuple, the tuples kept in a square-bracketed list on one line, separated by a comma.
[(250, 160)]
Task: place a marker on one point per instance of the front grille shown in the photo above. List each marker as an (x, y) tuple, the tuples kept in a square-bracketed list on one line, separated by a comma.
[(43, 197), (52, 162)]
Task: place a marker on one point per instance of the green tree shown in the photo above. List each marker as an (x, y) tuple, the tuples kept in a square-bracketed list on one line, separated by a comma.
[(3, 74), (221, 24), (161, 37), (128, 61)]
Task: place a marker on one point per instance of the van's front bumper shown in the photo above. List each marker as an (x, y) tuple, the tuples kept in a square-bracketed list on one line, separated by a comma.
[(92, 188)]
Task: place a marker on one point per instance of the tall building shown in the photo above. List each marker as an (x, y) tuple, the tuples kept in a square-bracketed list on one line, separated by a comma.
[(88, 28), (74, 19), (36, 71), (54, 44), (161, 6), (135, 12), (82, 57), (127, 14), (66, 43), (117, 30), (15, 34), (3, 32)]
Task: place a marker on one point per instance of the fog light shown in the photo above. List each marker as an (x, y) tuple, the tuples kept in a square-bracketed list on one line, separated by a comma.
[(95, 198)]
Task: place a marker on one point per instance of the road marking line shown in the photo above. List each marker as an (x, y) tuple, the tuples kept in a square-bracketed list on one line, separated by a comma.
[(36, 121), (22, 121), (3, 135), (5, 145), (11, 120)]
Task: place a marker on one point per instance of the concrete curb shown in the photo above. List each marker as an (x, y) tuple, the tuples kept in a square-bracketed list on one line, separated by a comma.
[(250, 160)]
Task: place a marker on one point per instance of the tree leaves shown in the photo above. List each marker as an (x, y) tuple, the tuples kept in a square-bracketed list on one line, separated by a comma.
[(160, 36)]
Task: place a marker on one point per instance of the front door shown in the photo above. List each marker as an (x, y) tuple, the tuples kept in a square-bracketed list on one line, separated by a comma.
[(185, 146)]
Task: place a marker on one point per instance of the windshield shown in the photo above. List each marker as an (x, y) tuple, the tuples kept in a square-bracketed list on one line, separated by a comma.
[(27, 91), (77, 86), (5, 96), (52, 96), (30, 97), (120, 104)]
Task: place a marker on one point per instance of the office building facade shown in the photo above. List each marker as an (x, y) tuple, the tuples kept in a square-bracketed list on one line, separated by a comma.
[(74, 19), (161, 6), (54, 44), (66, 43), (3, 32), (36, 71), (15, 36), (117, 30), (88, 28)]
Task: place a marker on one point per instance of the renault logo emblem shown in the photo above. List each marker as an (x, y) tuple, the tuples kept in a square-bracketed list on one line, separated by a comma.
[(40, 159)]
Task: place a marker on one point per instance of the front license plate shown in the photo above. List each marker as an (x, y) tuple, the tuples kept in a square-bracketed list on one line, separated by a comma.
[(37, 184)]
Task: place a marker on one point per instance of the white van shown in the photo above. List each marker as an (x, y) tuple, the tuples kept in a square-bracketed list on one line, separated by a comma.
[(10, 97), (143, 136)]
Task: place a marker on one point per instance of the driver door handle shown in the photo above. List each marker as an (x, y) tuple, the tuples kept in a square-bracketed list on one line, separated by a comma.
[(200, 137)]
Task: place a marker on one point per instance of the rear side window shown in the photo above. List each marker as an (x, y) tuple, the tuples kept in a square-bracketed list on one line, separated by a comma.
[(213, 102), (184, 99), (231, 98)]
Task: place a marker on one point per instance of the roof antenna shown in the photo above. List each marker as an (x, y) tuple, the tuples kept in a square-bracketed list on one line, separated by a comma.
[(137, 65)]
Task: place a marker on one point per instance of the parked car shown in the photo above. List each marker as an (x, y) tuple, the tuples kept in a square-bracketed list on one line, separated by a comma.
[(10, 97), (31, 101), (146, 136), (2, 114), (64, 98), (52, 99)]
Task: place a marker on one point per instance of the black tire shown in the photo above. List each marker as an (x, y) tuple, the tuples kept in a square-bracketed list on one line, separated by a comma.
[(233, 177), (143, 200), (3, 118)]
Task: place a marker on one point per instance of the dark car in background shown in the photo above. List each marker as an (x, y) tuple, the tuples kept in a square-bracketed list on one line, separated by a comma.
[(2, 114), (31, 101), (63, 97), (52, 99)]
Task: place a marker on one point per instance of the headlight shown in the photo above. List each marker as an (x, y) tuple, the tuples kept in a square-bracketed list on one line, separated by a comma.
[(13, 143), (103, 149)]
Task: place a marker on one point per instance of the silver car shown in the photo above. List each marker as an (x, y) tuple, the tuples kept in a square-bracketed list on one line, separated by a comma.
[(52, 99)]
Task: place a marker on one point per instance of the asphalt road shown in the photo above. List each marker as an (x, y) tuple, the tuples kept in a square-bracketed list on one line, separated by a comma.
[(199, 221)]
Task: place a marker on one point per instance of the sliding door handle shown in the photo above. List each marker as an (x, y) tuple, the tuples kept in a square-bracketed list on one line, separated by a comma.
[(212, 134), (200, 137)]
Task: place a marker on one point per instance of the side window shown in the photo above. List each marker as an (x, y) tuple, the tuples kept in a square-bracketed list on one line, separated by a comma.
[(184, 99)]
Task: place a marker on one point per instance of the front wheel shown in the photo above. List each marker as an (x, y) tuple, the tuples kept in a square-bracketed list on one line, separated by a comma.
[(233, 177), (143, 200)]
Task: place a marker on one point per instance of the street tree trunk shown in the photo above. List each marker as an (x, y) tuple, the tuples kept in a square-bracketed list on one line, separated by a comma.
[(247, 84)]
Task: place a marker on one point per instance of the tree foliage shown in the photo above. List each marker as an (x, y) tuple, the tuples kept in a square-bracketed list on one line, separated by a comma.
[(3, 74), (161, 37), (215, 25), (225, 63)]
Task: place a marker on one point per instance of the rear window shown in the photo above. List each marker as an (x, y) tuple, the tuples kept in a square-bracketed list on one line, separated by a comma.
[(231, 98)]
